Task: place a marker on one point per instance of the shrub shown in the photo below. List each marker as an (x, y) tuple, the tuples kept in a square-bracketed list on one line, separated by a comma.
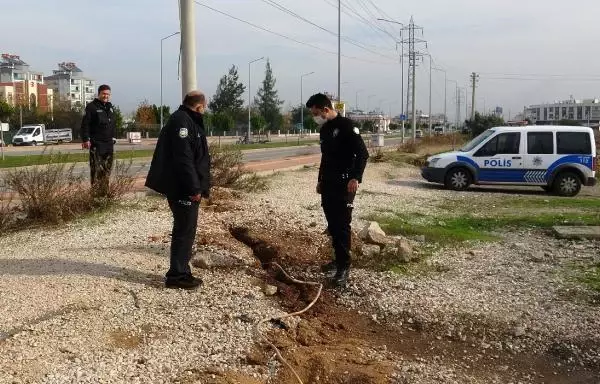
[(227, 170)]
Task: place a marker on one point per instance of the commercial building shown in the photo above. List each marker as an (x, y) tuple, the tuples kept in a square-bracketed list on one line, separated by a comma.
[(585, 112)]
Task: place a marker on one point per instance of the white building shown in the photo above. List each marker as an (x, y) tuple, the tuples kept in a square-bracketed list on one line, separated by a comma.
[(70, 84), (585, 112)]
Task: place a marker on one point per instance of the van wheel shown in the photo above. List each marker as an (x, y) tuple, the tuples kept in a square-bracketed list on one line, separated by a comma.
[(34, 143), (567, 184), (458, 179)]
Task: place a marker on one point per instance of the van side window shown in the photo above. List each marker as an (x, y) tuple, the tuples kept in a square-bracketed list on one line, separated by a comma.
[(37, 132), (540, 143), (577, 143), (504, 143)]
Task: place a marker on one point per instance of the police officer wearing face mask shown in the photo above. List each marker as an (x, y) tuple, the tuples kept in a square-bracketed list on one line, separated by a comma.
[(343, 160), (98, 132), (180, 169)]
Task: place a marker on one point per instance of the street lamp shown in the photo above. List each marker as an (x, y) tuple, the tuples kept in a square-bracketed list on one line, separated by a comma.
[(249, 93), (161, 75), (356, 105), (302, 102), (445, 92), (369, 103)]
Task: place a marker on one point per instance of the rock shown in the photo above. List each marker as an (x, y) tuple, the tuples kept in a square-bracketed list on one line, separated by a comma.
[(269, 290), (519, 331), (208, 260), (537, 257), (401, 251), (313, 224), (370, 250), (373, 234), (420, 238)]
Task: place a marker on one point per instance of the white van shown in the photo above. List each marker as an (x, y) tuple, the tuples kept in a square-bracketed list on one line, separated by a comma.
[(556, 158), (38, 134)]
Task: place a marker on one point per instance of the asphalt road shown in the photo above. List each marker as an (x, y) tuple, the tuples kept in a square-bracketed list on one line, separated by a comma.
[(139, 166)]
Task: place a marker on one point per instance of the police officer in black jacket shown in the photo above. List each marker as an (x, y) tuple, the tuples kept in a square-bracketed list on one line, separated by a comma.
[(343, 160), (180, 169), (98, 132)]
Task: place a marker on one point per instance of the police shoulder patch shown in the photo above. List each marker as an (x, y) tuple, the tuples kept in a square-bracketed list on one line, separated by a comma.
[(183, 133), (356, 130)]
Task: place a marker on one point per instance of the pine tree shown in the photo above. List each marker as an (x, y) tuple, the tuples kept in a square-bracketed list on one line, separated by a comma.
[(267, 100), (228, 97)]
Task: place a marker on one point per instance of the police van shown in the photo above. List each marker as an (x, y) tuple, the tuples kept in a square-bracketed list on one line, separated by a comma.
[(558, 159)]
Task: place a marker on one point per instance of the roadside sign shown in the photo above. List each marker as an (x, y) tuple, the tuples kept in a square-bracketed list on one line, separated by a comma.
[(403, 118), (340, 108), (4, 127)]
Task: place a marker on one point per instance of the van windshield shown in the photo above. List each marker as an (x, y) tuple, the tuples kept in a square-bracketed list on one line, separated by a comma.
[(476, 141), (26, 130)]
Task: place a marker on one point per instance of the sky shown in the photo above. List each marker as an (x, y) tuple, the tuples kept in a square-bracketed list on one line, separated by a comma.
[(525, 52)]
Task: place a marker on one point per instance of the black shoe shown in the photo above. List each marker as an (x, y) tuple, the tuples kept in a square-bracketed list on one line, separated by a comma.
[(188, 282), (341, 277), (329, 269)]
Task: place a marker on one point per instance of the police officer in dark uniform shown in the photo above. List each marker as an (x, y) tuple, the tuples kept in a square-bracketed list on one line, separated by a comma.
[(98, 132), (343, 160), (180, 169)]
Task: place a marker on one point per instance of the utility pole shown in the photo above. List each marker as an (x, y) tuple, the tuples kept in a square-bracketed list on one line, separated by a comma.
[(340, 51), (474, 81), (249, 99), (412, 41), (458, 100), (188, 46)]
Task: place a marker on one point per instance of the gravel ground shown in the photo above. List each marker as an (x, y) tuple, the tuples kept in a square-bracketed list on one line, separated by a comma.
[(84, 302), (518, 294)]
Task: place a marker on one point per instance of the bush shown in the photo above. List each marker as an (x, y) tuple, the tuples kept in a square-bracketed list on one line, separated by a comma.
[(54, 192), (7, 214), (227, 170), (410, 146)]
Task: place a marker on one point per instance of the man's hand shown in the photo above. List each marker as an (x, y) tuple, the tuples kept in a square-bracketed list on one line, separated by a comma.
[(318, 189), (353, 186), (196, 198), (86, 145)]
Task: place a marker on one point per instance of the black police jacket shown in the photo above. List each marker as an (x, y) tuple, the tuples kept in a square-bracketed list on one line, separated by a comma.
[(180, 166), (344, 154), (98, 124)]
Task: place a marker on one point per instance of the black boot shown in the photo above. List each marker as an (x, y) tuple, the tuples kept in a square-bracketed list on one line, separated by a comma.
[(341, 277), (329, 269), (187, 282)]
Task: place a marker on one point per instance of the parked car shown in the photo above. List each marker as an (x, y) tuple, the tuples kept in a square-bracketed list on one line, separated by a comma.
[(418, 133), (558, 159)]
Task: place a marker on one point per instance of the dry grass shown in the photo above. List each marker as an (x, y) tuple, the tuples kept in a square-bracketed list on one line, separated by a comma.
[(53, 193), (227, 171)]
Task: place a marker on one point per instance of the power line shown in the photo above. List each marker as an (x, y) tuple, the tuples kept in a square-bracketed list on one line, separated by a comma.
[(351, 12), (347, 39), (264, 29)]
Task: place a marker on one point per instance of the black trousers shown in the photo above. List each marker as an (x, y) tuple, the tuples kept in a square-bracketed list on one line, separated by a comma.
[(101, 163), (185, 222), (337, 205)]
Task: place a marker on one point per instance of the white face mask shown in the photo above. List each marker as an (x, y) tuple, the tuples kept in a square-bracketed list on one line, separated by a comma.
[(319, 120)]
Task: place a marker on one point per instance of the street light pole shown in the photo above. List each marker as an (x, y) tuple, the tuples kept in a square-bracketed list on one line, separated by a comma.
[(302, 101), (369, 103), (161, 76), (249, 101), (356, 105)]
